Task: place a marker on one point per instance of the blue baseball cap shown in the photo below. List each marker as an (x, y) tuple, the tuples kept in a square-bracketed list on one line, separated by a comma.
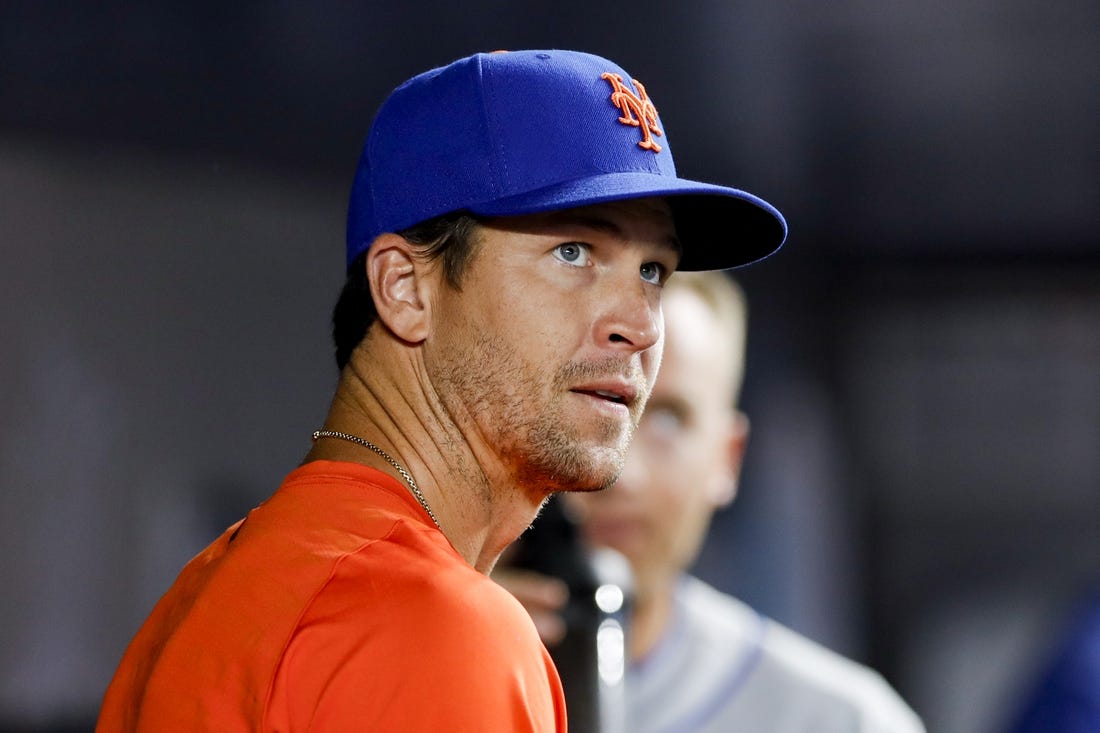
[(523, 132)]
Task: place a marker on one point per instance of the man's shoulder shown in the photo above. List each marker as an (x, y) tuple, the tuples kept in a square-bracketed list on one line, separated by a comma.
[(799, 667), (820, 671)]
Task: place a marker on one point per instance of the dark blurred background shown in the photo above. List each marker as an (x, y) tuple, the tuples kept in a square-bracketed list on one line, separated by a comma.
[(922, 489)]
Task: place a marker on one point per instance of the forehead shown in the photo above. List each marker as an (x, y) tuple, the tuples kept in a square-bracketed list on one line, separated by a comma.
[(697, 356), (692, 332)]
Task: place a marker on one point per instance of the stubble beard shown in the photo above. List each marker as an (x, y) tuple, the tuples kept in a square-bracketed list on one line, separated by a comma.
[(519, 407), (559, 461)]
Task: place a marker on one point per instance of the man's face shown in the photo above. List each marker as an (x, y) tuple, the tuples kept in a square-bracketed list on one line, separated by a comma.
[(545, 356), (685, 457)]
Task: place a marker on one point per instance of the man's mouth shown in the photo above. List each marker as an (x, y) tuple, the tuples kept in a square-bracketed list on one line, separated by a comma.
[(618, 394)]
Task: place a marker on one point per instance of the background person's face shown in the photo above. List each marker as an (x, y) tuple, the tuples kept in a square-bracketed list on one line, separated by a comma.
[(683, 462)]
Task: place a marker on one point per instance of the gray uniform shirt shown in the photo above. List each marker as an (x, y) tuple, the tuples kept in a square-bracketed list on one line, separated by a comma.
[(723, 667)]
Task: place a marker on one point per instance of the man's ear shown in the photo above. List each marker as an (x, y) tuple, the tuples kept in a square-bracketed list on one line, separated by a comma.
[(736, 440), (397, 280)]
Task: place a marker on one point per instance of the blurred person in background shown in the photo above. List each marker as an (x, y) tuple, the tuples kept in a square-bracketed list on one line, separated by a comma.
[(701, 660), (1065, 697)]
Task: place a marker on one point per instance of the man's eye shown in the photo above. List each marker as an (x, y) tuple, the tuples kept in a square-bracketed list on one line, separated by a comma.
[(573, 253), (662, 421), (652, 272)]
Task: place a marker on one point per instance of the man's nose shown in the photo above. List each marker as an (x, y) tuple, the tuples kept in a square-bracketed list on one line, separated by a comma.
[(633, 319)]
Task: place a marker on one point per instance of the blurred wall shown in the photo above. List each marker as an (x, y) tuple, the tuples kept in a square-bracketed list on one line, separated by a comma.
[(921, 489), (165, 358)]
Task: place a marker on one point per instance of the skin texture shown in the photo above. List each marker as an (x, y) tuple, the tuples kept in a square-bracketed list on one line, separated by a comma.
[(682, 466), (527, 379)]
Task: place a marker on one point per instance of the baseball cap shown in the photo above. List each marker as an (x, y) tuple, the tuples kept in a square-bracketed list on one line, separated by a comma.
[(523, 132)]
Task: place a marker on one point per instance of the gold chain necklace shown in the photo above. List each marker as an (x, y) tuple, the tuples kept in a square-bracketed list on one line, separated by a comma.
[(318, 434)]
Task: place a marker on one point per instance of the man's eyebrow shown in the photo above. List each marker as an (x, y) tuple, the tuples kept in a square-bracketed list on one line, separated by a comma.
[(607, 226)]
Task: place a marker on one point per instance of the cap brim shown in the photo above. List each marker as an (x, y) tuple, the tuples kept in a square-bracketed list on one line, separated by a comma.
[(720, 228)]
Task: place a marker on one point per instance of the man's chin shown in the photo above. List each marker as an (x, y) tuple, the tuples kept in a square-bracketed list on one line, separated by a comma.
[(588, 488), (595, 476), (607, 466), (578, 465)]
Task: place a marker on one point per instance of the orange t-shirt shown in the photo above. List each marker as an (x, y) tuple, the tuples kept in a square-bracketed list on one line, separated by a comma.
[(336, 605)]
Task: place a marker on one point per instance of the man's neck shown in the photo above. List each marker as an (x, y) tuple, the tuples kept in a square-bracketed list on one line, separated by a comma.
[(477, 504), (650, 616)]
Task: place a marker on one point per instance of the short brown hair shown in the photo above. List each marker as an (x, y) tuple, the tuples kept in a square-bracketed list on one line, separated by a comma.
[(450, 237)]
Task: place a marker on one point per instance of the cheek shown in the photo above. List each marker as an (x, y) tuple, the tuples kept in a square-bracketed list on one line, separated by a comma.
[(681, 481), (544, 327), (682, 524), (676, 501), (670, 503)]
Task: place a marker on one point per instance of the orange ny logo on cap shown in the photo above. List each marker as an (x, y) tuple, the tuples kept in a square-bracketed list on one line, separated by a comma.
[(637, 110)]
